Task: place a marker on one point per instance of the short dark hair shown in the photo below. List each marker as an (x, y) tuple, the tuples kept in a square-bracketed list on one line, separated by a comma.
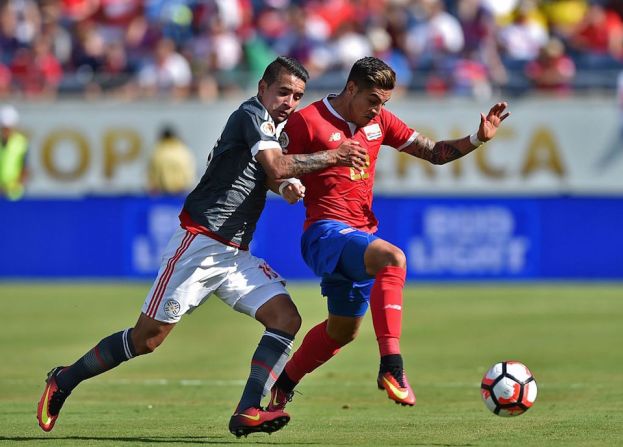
[(370, 72), (284, 63)]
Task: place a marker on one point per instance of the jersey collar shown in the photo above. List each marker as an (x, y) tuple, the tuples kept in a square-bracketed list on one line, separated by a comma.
[(279, 127), (325, 101)]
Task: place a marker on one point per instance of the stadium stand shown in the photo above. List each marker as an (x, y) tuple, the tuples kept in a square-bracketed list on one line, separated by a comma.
[(208, 49)]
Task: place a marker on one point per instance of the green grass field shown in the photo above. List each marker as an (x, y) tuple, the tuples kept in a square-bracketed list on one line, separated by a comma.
[(570, 336)]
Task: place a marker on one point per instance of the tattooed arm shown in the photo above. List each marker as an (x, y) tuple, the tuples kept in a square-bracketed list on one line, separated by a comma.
[(439, 152), (449, 150), (279, 166)]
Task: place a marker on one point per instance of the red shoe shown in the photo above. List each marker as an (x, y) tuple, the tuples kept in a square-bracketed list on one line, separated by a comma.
[(279, 399), (398, 390), (51, 401), (253, 420)]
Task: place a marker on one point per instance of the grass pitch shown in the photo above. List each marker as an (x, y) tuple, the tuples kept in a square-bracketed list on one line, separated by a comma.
[(571, 337)]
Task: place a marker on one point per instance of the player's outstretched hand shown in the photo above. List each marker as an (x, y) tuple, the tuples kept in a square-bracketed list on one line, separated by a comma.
[(489, 124), (294, 192), (350, 153)]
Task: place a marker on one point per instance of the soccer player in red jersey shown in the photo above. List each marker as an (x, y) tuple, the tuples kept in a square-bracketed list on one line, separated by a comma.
[(357, 268)]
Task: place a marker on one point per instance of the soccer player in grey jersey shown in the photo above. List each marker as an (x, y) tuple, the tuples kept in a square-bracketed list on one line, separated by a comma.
[(209, 254)]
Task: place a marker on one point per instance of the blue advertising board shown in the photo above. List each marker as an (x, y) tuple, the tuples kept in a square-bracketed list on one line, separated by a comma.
[(445, 239)]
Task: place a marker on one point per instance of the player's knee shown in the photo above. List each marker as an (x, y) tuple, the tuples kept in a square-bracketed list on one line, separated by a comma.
[(394, 257), (381, 254), (288, 321), (397, 258), (280, 313)]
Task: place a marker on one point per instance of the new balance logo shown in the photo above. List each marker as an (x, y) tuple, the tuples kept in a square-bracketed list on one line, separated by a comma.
[(337, 136)]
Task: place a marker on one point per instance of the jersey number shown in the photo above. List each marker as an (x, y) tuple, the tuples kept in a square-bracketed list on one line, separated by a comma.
[(361, 174), (269, 272)]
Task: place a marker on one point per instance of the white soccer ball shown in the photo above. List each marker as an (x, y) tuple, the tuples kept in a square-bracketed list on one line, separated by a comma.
[(508, 388)]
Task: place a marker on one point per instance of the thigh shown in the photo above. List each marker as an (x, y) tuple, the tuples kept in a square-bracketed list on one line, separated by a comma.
[(345, 297), (330, 247), (192, 267), (251, 284), (352, 263)]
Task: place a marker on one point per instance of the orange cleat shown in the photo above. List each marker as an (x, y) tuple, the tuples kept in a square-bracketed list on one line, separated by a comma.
[(51, 401), (279, 399), (398, 389), (254, 420)]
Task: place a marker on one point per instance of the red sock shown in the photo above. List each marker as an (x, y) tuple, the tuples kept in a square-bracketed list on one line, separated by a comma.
[(316, 349), (386, 308)]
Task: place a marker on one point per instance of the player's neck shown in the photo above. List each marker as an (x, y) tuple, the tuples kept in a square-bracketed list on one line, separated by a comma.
[(339, 105)]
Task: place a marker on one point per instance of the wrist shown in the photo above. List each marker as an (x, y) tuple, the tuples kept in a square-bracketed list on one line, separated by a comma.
[(475, 141), (289, 181)]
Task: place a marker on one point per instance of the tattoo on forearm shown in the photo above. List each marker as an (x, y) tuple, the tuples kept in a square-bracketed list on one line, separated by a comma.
[(437, 153), (444, 152), (424, 143), (299, 164)]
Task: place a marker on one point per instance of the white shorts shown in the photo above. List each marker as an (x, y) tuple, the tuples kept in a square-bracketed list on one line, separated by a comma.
[(194, 266)]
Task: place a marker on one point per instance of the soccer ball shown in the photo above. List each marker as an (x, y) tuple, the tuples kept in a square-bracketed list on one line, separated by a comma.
[(508, 389)]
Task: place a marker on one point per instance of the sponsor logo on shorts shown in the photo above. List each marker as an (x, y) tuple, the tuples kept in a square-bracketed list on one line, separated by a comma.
[(172, 308), (346, 230)]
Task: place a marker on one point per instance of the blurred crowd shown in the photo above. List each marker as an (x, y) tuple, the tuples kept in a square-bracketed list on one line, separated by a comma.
[(209, 48)]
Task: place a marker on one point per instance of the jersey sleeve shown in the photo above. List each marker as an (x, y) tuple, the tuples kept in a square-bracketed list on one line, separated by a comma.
[(396, 133), (259, 134), (295, 138)]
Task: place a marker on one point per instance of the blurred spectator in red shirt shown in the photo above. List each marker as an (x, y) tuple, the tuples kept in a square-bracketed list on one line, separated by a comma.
[(5, 81), (600, 33), (78, 10), (552, 71), (114, 17), (469, 77), (36, 72)]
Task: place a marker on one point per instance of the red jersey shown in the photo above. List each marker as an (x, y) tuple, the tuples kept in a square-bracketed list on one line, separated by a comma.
[(341, 193)]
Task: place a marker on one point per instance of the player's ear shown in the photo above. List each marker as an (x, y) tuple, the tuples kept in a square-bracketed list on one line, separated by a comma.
[(261, 87), (351, 88)]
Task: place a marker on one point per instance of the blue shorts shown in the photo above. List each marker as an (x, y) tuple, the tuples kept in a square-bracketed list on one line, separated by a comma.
[(335, 253)]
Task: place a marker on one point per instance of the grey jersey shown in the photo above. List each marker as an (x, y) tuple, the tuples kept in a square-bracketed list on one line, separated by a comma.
[(231, 194)]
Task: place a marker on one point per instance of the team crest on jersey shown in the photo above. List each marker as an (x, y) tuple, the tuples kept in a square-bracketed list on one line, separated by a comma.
[(172, 308), (268, 128), (284, 140), (337, 136), (373, 132)]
